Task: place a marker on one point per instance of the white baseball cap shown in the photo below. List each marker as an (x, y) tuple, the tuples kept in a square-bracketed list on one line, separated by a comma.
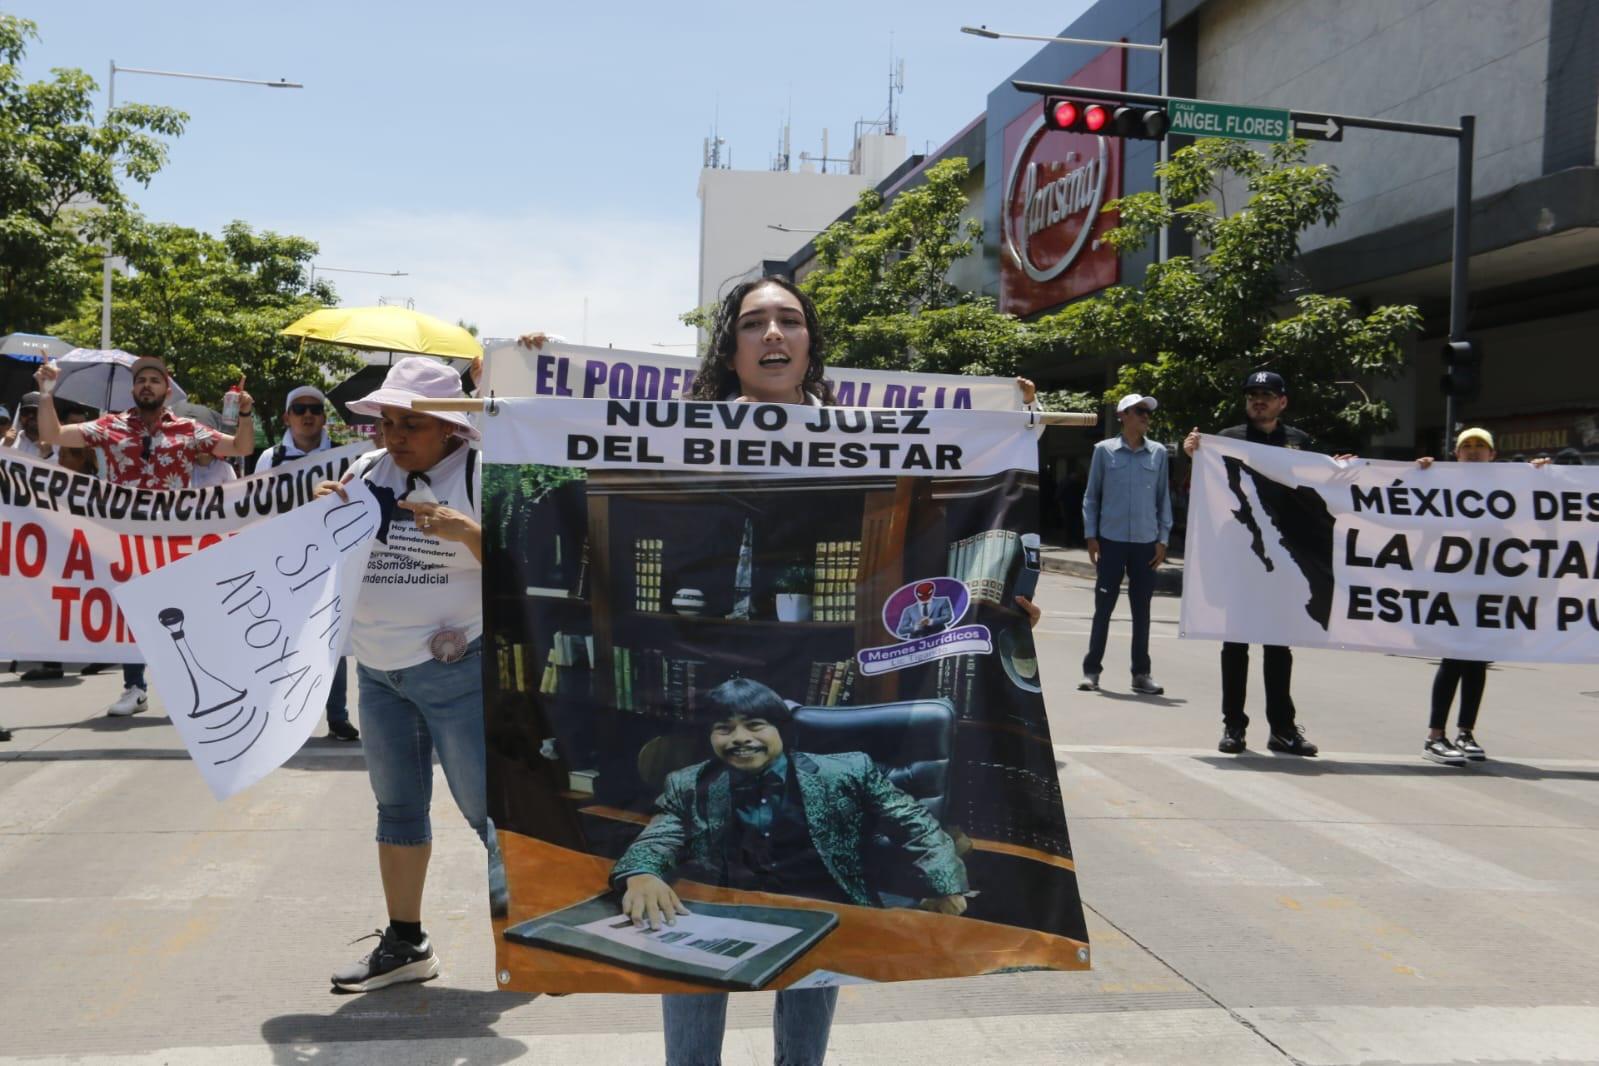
[(304, 392), (1132, 399)]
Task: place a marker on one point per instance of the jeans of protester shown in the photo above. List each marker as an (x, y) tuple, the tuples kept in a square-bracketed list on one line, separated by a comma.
[(339, 693), (1471, 676), (1279, 671), (1118, 557), (407, 715), (133, 675), (695, 1024)]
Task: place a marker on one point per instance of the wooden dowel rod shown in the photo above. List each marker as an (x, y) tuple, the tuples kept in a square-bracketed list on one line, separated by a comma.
[(1049, 418)]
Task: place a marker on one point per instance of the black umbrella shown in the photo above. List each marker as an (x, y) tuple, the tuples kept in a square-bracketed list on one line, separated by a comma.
[(366, 380)]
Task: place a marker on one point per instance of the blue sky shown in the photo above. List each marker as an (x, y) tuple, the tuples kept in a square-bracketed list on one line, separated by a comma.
[(515, 158)]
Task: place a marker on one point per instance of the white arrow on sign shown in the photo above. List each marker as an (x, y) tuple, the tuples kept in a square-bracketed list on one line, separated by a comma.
[(1327, 128)]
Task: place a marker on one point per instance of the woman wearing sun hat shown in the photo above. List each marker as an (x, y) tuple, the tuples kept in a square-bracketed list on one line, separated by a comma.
[(417, 638)]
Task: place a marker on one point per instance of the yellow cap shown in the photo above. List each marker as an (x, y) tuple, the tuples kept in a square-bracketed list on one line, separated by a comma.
[(1475, 433)]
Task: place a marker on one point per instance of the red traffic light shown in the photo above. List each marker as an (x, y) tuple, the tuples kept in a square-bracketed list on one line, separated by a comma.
[(1132, 122)]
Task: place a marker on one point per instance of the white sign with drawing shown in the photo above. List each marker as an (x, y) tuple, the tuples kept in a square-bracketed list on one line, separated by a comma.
[(242, 639)]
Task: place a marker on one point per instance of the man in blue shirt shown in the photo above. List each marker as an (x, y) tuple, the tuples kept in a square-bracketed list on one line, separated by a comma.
[(1126, 521)]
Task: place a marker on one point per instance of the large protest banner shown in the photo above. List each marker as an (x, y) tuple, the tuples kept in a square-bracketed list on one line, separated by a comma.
[(242, 640), (559, 369), (68, 540), (1488, 561), (768, 656)]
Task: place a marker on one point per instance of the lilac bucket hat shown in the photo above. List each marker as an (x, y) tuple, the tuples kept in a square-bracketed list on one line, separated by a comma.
[(417, 378)]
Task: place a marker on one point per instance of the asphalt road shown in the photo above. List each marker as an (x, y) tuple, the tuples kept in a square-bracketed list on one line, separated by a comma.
[(1363, 907)]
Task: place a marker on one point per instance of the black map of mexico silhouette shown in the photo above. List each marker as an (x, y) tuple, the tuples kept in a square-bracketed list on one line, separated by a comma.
[(1304, 525)]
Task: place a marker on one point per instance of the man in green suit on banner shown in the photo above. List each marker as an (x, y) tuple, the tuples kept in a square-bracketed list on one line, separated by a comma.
[(765, 818)]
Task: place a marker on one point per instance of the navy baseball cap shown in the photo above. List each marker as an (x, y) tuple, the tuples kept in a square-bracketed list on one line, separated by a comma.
[(29, 399), (1269, 380)]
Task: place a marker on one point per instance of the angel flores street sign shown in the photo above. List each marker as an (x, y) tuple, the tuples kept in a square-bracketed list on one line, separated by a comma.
[(1198, 118)]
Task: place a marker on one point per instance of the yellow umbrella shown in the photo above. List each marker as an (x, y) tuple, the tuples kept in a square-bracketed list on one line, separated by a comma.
[(387, 329)]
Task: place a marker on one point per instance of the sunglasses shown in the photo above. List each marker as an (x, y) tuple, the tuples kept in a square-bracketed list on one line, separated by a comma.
[(306, 408), (1143, 411), (144, 452)]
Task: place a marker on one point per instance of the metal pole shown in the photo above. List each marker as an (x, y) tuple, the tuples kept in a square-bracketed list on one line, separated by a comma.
[(1460, 267), (1163, 248), (105, 273)]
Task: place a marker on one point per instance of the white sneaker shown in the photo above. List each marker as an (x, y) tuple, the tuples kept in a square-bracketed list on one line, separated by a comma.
[(132, 701)]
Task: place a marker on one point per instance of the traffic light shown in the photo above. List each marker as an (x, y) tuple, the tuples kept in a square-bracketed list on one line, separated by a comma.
[(1462, 376), (1129, 121)]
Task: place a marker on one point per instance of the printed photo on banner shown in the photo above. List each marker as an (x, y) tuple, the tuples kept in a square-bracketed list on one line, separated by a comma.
[(1482, 561), (69, 540), (242, 639), (679, 698)]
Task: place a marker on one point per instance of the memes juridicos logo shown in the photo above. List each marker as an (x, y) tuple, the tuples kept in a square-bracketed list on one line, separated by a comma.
[(922, 617)]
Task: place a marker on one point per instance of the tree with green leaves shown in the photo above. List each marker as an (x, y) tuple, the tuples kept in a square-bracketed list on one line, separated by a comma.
[(1198, 325), (883, 293), (212, 307), (58, 181)]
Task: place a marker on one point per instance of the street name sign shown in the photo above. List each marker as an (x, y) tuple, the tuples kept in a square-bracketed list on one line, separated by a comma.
[(1198, 118), (1317, 127)]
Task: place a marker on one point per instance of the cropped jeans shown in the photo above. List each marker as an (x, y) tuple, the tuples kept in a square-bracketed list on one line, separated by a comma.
[(407, 715)]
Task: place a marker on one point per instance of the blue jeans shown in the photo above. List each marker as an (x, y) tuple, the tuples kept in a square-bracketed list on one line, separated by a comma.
[(1118, 557), (339, 693), (405, 716), (695, 1024), (133, 675)]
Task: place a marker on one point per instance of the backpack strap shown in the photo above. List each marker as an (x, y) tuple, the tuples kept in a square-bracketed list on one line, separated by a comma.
[(471, 465), (278, 453)]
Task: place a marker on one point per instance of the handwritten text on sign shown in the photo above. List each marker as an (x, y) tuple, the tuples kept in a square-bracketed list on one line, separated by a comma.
[(242, 639)]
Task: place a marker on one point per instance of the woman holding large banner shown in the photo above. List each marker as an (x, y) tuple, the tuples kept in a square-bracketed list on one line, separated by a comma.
[(417, 643)]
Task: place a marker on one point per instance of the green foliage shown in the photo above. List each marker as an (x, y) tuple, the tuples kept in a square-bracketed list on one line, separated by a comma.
[(882, 290), (1199, 325), (212, 308), (58, 181)]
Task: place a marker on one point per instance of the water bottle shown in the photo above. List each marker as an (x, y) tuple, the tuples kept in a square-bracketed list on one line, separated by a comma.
[(230, 410), (48, 386)]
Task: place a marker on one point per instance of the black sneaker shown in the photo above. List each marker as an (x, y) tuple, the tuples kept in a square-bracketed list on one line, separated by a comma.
[(392, 962), (1232, 742), (1438, 749), (1294, 744), (5, 734), (343, 731), (1468, 746), (44, 672)]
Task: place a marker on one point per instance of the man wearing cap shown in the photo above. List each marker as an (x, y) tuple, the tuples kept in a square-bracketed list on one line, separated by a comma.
[(1265, 399), (305, 411), (146, 447), (5, 424), (25, 440), (1126, 523)]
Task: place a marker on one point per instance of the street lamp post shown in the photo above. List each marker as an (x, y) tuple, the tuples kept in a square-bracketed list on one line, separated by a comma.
[(1129, 46), (347, 270), (111, 106)]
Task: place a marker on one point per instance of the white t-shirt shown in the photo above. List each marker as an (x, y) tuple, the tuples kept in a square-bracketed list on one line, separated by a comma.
[(216, 472), (417, 584), (24, 446)]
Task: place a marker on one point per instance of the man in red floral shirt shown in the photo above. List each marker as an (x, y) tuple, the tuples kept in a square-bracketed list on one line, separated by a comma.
[(146, 447)]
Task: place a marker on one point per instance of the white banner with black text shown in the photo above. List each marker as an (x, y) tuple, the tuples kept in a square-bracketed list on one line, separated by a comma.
[(1487, 561)]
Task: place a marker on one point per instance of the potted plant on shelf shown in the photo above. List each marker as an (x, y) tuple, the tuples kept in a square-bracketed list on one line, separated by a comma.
[(793, 586)]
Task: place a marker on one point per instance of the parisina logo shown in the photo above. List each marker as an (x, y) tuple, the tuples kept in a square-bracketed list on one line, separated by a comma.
[(922, 616)]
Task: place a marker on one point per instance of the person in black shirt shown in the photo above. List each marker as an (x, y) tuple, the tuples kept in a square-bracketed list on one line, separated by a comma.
[(1265, 399)]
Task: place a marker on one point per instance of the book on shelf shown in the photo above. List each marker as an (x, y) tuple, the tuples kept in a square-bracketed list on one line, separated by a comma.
[(647, 553), (985, 562), (568, 670), (837, 571)]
